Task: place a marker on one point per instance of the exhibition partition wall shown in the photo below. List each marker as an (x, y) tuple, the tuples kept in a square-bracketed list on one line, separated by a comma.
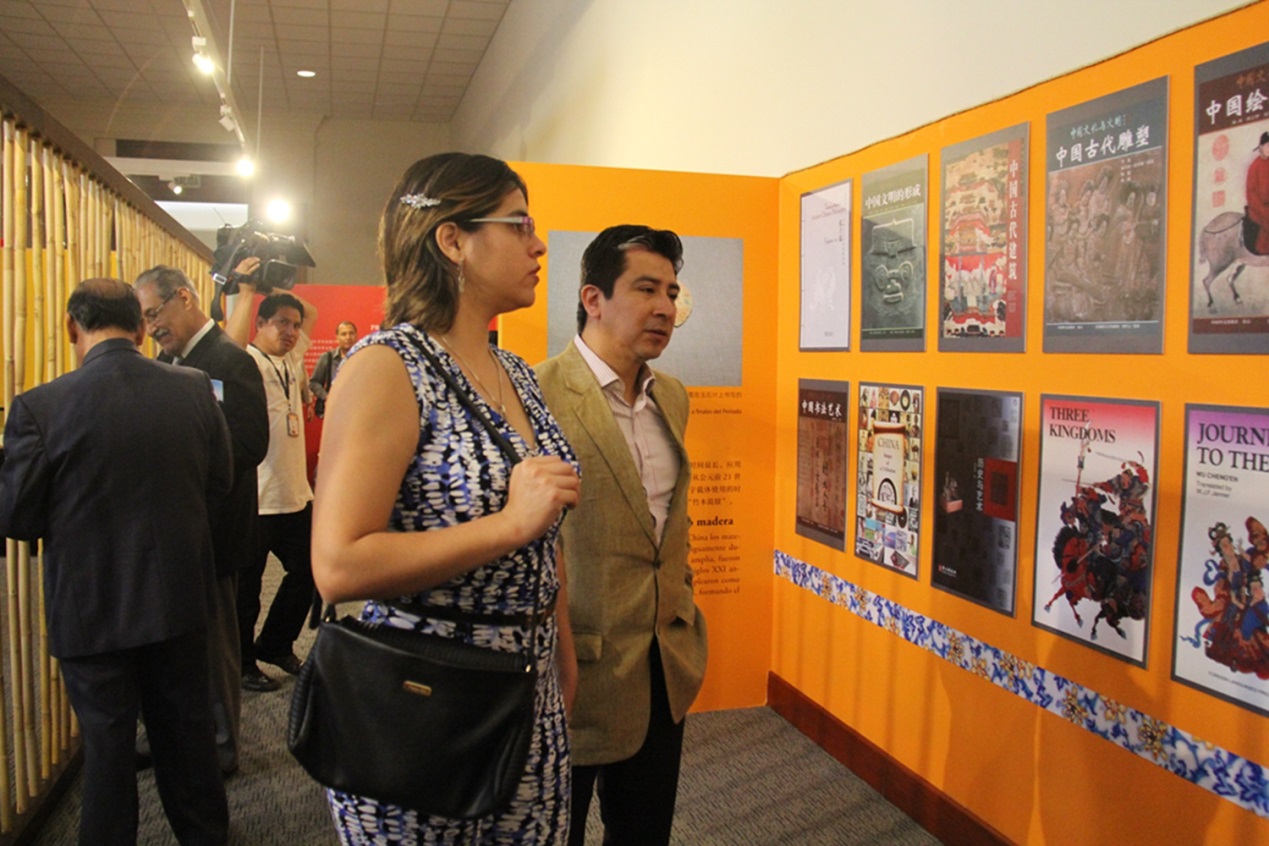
[(1021, 454), (724, 353)]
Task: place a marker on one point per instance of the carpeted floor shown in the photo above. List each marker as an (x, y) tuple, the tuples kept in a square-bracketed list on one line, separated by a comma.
[(748, 778)]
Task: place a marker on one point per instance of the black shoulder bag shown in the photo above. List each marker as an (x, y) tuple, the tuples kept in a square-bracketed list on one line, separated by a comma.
[(418, 720)]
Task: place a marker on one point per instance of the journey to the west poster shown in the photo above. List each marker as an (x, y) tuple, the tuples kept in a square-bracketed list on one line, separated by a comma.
[(984, 243), (888, 475), (977, 441), (892, 263), (826, 261), (1105, 215), (823, 439), (1229, 275), (1222, 616), (1095, 521)]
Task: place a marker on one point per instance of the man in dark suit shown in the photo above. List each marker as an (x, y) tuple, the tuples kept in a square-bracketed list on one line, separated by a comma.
[(190, 338), (113, 465), (638, 635)]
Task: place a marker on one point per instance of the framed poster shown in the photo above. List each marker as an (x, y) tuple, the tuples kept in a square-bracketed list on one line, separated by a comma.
[(1229, 263), (888, 476), (1222, 616), (892, 265), (823, 438), (1095, 522), (977, 442), (826, 268), (984, 243), (1105, 210)]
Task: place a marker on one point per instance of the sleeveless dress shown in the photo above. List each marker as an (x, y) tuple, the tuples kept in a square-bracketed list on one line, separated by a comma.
[(458, 474)]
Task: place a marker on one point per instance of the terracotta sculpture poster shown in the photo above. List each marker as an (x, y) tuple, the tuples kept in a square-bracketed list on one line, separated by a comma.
[(1229, 276), (826, 261), (892, 265), (978, 437), (1105, 210), (984, 243), (1222, 616), (1095, 522), (888, 476), (823, 439)]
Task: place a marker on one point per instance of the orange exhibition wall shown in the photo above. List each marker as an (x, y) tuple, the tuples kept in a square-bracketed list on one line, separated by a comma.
[(731, 431), (1032, 772)]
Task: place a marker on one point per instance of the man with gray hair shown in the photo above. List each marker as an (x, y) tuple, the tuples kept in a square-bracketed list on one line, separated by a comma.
[(188, 337)]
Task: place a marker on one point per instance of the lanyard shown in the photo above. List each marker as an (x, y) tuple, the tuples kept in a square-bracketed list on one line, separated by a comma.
[(284, 382)]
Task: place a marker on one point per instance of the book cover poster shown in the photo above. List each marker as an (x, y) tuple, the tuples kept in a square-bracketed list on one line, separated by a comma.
[(826, 262), (1105, 210), (1229, 263), (892, 263), (984, 243), (1095, 522), (1222, 616), (888, 476), (823, 438), (978, 436)]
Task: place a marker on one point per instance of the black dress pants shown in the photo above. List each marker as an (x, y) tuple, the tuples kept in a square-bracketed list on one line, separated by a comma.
[(287, 537), (167, 683), (637, 795)]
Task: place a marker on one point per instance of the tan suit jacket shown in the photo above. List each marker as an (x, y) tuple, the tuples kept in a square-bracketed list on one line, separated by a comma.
[(623, 587)]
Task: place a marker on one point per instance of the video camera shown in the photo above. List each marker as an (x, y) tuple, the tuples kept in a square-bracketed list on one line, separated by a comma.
[(279, 256)]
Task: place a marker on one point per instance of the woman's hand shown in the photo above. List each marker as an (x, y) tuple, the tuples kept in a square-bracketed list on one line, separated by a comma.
[(541, 487)]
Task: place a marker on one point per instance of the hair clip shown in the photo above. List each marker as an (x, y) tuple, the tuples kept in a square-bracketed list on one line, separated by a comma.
[(419, 201)]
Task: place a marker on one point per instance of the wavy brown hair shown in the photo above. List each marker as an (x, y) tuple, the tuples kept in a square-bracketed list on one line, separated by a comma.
[(422, 281)]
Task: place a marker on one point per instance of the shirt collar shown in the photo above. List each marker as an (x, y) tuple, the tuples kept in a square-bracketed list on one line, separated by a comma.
[(198, 336), (605, 375)]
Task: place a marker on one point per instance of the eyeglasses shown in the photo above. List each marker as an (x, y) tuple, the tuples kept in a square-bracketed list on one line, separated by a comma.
[(522, 222), (152, 314)]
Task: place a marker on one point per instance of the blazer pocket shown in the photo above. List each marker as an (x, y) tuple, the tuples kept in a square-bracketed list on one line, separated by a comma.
[(687, 604), (589, 646)]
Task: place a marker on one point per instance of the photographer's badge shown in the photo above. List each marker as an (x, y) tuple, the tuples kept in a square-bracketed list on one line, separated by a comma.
[(293, 424)]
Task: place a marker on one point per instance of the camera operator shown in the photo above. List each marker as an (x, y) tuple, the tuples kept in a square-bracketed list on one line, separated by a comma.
[(285, 497)]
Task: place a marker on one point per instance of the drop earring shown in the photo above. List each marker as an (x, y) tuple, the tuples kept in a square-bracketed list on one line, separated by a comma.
[(462, 278)]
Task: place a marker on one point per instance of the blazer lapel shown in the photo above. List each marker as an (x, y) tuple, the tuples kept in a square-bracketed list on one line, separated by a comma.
[(595, 416)]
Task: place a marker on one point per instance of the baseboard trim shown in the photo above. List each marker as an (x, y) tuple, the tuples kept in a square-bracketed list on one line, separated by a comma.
[(934, 810)]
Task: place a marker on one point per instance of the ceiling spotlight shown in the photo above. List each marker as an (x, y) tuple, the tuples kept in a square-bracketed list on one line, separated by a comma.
[(246, 167), (307, 74), (176, 189), (227, 118), (201, 59), (278, 211)]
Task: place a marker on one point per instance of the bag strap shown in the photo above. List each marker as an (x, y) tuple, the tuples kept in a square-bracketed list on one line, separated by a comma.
[(513, 458)]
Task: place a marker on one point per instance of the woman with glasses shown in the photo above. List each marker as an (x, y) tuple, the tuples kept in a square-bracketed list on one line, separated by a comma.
[(416, 502)]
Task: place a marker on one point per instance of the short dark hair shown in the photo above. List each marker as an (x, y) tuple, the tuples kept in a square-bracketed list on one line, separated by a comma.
[(270, 305), (166, 281), (344, 323), (605, 257), (104, 304)]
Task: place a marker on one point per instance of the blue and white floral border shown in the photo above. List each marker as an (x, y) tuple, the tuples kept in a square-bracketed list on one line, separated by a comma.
[(1243, 782)]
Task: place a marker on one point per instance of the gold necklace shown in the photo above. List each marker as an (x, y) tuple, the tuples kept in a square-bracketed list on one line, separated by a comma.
[(488, 394)]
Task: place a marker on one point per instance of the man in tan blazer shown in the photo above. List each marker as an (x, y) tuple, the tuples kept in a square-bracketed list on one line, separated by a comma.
[(638, 635)]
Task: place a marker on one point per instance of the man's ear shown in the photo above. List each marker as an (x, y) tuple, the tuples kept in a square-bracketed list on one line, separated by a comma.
[(138, 337), (591, 297), (72, 330), (448, 238)]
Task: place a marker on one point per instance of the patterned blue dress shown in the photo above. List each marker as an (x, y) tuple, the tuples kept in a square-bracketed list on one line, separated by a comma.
[(458, 474)]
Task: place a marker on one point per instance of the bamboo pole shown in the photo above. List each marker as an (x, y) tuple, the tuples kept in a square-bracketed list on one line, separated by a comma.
[(7, 802), (27, 763), (58, 210)]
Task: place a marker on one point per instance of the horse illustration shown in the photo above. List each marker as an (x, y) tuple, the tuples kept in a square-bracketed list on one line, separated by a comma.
[(1222, 245)]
